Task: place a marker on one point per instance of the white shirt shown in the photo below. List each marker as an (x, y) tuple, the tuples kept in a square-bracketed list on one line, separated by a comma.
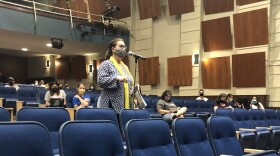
[(255, 107), (204, 98)]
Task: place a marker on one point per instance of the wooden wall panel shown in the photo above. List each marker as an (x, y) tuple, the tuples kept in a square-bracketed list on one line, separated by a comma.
[(149, 71), (15, 67), (96, 7), (251, 28), (124, 6), (78, 5), (62, 68), (178, 7), (216, 73), (78, 67), (248, 70), (149, 8), (216, 34), (244, 2), (217, 6), (61, 4), (180, 71)]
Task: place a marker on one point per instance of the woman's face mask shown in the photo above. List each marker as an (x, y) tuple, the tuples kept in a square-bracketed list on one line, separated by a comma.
[(55, 89), (81, 91), (254, 102), (121, 53)]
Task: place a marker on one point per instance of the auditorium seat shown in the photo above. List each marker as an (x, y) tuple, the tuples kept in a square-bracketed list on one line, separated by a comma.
[(24, 139), (29, 96), (129, 114), (149, 137), (52, 118), (258, 118), (190, 137), (84, 138), (222, 136), (69, 97), (243, 121), (4, 114)]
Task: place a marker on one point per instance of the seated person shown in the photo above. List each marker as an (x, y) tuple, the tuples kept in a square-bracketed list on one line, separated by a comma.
[(168, 109), (230, 99), (91, 87), (201, 95), (238, 104), (81, 100), (42, 83), (67, 86), (246, 102), (11, 83), (255, 104), (221, 102), (54, 92)]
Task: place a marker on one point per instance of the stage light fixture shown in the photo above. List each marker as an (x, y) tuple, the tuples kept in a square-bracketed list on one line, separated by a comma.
[(57, 43), (108, 14)]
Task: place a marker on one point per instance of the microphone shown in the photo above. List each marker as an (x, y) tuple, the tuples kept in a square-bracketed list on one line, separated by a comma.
[(136, 55)]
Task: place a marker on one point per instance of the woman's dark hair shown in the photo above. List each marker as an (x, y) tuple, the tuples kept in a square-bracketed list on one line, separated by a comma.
[(50, 88), (112, 44), (80, 85), (246, 102), (219, 98), (165, 93)]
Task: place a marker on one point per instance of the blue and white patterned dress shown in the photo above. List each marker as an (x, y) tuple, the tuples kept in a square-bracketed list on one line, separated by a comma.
[(113, 90)]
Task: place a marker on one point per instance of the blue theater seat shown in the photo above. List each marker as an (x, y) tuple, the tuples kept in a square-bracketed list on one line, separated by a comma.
[(52, 118), (149, 137), (85, 138), (24, 139), (190, 137)]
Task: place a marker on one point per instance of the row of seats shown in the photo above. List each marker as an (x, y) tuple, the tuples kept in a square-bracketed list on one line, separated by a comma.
[(258, 128), (53, 118)]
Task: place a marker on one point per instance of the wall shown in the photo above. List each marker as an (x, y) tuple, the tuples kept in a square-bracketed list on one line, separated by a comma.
[(172, 36), (36, 67)]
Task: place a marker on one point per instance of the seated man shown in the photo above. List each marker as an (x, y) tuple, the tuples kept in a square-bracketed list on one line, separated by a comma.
[(168, 109), (201, 95), (11, 82), (221, 102)]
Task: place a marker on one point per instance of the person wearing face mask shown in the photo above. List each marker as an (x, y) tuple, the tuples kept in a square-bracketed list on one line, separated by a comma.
[(221, 102), (238, 104), (168, 109), (201, 95), (91, 87), (54, 92), (255, 104), (230, 99), (81, 100), (11, 83), (115, 79)]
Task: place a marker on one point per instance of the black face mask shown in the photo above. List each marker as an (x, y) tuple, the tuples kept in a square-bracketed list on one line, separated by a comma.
[(167, 99), (222, 101), (121, 53), (11, 83), (201, 94)]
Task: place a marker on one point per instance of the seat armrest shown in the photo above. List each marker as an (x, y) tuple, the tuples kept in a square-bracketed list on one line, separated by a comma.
[(71, 113), (237, 134), (247, 129), (1, 102), (42, 105), (268, 128), (249, 150), (19, 105)]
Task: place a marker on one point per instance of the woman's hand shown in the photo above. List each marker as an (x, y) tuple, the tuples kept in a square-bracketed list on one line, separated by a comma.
[(122, 78)]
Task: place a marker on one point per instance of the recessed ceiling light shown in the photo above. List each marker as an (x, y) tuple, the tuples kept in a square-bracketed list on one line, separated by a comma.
[(49, 45), (24, 49)]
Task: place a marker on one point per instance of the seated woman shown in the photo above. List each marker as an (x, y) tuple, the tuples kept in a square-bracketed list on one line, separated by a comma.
[(238, 104), (91, 87), (168, 109), (54, 92), (255, 104), (80, 100), (221, 102)]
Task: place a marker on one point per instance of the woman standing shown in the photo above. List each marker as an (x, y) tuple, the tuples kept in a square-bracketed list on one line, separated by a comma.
[(114, 77)]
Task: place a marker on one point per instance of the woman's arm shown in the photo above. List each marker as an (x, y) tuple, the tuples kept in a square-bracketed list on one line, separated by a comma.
[(106, 77)]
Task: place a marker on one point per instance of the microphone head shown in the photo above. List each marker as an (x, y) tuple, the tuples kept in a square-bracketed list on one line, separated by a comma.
[(130, 53)]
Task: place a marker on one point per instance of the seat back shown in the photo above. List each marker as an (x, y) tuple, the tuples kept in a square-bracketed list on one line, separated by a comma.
[(4, 114), (28, 94), (8, 92), (96, 114), (258, 118), (190, 137), (224, 112), (52, 118), (129, 114), (85, 138), (222, 135), (42, 94), (242, 119), (271, 117), (24, 138), (149, 137), (69, 98)]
